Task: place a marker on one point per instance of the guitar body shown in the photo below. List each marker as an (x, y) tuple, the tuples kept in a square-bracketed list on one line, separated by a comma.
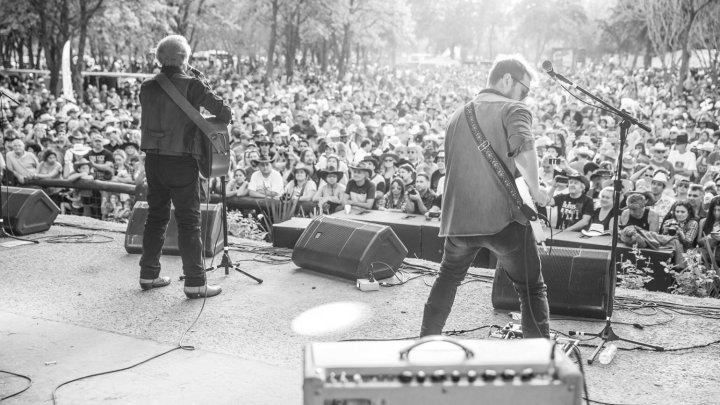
[(536, 225), (215, 161)]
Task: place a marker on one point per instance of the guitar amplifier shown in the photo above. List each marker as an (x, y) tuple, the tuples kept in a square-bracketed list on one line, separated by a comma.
[(577, 283), (440, 370)]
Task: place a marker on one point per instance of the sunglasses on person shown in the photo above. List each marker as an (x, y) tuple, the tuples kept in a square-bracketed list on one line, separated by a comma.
[(525, 91)]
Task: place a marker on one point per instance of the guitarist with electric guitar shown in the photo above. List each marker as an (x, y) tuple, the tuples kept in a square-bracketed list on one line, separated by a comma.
[(488, 145), (178, 144)]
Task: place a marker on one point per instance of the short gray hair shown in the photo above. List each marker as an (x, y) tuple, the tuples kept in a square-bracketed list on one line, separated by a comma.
[(173, 50)]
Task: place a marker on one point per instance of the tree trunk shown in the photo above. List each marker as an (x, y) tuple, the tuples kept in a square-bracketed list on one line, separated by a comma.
[(345, 51), (271, 45), (324, 57)]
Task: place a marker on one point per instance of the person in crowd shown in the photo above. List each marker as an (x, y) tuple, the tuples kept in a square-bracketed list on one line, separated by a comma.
[(437, 178), (266, 182), (301, 188), (606, 212), (709, 236), (663, 201), (695, 197), (407, 174), (420, 197), (22, 164), (684, 161), (682, 188), (681, 223), (171, 168), (394, 200), (360, 191), (379, 181), (659, 159), (477, 212), (389, 166), (574, 209), (50, 168), (238, 185), (329, 195), (264, 145), (638, 214)]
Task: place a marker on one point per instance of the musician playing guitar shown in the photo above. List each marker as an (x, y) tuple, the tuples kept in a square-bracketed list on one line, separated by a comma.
[(173, 146), (477, 209)]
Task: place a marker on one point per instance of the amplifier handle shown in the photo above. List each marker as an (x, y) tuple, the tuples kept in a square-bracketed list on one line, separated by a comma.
[(436, 338)]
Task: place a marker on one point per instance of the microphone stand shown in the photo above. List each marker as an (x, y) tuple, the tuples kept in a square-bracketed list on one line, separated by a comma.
[(626, 121)]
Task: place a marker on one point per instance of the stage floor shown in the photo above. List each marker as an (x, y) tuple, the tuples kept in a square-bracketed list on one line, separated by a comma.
[(79, 305)]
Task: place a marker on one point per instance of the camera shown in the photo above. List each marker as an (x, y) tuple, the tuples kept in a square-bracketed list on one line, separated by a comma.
[(554, 161), (434, 214), (412, 191), (672, 231)]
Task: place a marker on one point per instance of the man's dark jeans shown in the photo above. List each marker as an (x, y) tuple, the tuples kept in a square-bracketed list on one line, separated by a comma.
[(173, 178), (517, 253)]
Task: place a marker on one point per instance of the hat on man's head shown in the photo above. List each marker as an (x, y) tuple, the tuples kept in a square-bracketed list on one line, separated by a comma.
[(390, 155), (370, 159), (661, 177), (584, 150), (707, 146), (582, 179), (367, 170), (264, 140), (80, 149), (682, 139), (81, 162), (660, 147), (331, 170), (45, 118), (303, 167)]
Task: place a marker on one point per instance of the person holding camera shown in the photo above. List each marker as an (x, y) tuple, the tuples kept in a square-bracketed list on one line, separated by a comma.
[(680, 223), (419, 197)]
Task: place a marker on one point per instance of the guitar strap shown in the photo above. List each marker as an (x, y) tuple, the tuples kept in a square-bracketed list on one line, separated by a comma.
[(218, 142), (496, 163)]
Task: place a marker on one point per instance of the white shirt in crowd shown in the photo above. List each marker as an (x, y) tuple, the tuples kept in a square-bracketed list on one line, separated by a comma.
[(273, 182)]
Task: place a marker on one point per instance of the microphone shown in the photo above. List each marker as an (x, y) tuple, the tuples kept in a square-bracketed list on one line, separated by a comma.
[(199, 73), (548, 67)]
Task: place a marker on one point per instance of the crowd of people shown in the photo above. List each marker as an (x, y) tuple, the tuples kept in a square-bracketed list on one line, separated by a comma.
[(374, 140)]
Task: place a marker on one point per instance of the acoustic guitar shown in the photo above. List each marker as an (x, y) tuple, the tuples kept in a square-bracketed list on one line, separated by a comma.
[(215, 160)]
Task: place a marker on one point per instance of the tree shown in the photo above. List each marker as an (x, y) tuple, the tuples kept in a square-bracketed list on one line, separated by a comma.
[(553, 22), (670, 23)]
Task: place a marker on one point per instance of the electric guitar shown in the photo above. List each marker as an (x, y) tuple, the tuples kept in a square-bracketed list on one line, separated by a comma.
[(536, 224)]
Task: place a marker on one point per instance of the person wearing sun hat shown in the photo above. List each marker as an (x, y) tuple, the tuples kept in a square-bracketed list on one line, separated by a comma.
[(266, 182), (329, 195), (659, 159), (574, 208), (683, 160), (379, 181), (301, 187), (662, 201), (360, 191)]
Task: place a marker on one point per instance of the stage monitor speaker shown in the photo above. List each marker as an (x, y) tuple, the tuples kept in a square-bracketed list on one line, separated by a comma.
[(27, 210), (349, 249), (577, 283), (210, 231)]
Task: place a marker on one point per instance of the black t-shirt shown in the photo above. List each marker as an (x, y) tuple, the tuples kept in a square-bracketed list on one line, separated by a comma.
[(101, 157), (360, 193), (571, 210)]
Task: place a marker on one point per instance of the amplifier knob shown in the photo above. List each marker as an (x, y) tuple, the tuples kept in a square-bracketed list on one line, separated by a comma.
[(472, 375), (405, 377), (508, 374), (421, 376), (455, 376), (438, 376), (527, 374), (489, 375)]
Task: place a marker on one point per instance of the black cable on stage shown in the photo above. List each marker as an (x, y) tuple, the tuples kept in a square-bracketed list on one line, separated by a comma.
[(28, 379), (88, 228)]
